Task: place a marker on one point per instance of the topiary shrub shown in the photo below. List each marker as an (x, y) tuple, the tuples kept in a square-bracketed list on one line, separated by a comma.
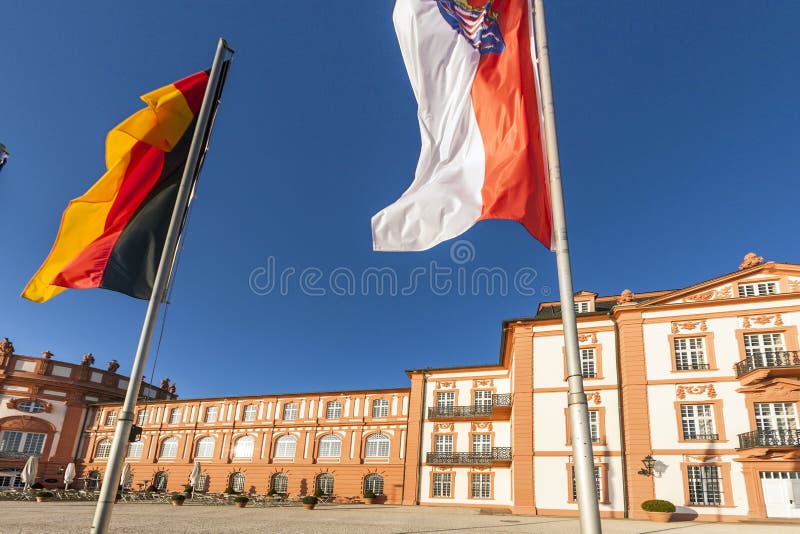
[(318, 493), (45, 494), (230, 490), (36, 486), (151, 488), (310, 499), (241, 498), (178, 497), (658, 505), (369, 494)]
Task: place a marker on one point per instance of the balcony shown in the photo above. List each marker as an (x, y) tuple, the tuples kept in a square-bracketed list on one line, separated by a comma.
[(500, 456), (498, 410), (768, 365), (770, 439)]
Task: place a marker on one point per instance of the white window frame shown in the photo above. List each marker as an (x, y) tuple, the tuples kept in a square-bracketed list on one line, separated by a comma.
[(445, 399), (244, 447), (757, 289), (775, 416), (325, 482), (285, 447), (582, 307), (443, 444), (279, 483), (103, 449), (290, 411), (598, 484), (141, 417), (333, 410), (237, 481), (330, 446), (111, 418), (481, 486), (205, 447), (210, 415), (442, 485), (135, 449), (31, 407), (380, 408), (374, 482), (705, 485), (762, 348), (594, 425), (16, 441), (481, 444), (175, 416), (690, 353), (482, 398), (249, 413), (697, 422), (377, 446), (588, 362), (160, 480), (168, 448)]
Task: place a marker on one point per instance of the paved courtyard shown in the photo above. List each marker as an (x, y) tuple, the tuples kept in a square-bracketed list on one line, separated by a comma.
[(68, 517)]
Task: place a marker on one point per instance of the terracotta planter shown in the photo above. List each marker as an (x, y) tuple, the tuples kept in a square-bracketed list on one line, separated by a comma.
[(309, 506), (42, 499), (368, 500), (177, 503), (659, 517), (240, 504)]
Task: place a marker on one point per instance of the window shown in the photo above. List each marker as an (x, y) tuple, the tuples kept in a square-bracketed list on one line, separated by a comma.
[(581, 307), (481, 444), (135, 449), (103, 449), (141, 417), (442, 484), (374, 483), (175, 415), (93, 481), (762, 349), (10, 479), (111, 418), (169, 448), (23, 443), (236, 482), (128, 482), (445, 403), (211, 414), (279, 483), (690, 353), (704, 485), (443, 444), (594, 425), (31, 407), (380, 408), (481, 487), (330, 446), (334, 410), (483, 401), (325, 483), (597, 485), (757, 289), (202, 482), (249, 413), (588, 363), (697, 421), (290, 412), (205, 448), (377, 446), (285, 447), (160, 480), (773, 417), (244, 447)]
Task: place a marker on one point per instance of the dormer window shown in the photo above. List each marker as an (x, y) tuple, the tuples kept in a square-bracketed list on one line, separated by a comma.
[(757, 289), (582, 307)]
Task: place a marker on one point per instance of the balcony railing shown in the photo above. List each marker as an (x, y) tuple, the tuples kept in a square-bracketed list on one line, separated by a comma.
[(770, 438), (768, 360), (502, 400), (17, 454), (701, 437), (498, 454)]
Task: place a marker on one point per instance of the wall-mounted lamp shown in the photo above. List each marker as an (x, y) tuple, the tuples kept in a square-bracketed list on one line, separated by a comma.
[(61, 469), (649, 462)]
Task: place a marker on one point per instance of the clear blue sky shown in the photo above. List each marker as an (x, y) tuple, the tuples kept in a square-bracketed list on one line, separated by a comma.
[(678, 128)]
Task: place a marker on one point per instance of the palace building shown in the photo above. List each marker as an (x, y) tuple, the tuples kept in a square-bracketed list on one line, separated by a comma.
[(44, 404), (693, 397)]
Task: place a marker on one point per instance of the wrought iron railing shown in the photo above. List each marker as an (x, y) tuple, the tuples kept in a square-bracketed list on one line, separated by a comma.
[(701, 437), (770, 438), (17, 454), (498, 454), (786, 358), (477, 410)]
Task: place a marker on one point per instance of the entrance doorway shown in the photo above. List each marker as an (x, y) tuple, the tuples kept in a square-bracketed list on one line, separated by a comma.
[(781, 493)]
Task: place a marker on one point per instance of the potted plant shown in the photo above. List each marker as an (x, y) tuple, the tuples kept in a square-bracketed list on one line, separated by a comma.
[(369, 496), (187, 489), (658, 510), (177, 499), (151, 489), (230, 491), (309, 502), (241, 501), (42, 496)]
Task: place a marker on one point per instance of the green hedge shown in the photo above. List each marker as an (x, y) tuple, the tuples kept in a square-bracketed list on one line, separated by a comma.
[(657, 505)]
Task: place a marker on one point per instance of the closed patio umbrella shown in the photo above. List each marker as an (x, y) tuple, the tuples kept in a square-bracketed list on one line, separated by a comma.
[(28, 475), (194, 477), (126, 474), (69, 475)]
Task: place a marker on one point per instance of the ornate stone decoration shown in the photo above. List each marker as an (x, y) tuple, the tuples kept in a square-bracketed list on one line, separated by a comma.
[(594, 397), (113, 365), (478, 427), (46, 355), (700, 297), (88, 360), (707, 389), (702, 459), (589, 337), (794, 285), (750, 260), (483, 383), (688, 326), (164, 383), (6, 347), (754, 321), (172, 389), (444, 427), (445, 385), (625, 297)]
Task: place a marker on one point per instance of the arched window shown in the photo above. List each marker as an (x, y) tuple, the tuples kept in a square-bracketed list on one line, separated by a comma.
[(205, 448), (202, 483), (93, 480), (103, 449), (169, 448), (374, 483), (135, 449), (330, 446), (325, 483), (244, 447), (285, 447), (279, 483), (160, 480), (236, 482), (377, 446), (31, 407)]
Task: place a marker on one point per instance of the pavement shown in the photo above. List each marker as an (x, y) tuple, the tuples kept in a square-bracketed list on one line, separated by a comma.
[(67, 517)]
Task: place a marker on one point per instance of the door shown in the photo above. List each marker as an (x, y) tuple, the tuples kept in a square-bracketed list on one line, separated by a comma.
[(781, 493)]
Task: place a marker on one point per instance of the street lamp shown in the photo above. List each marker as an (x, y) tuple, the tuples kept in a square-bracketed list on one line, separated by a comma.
[(649, 462)]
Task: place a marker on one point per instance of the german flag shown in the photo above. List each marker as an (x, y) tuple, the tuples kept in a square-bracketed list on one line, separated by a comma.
[(112, 236)]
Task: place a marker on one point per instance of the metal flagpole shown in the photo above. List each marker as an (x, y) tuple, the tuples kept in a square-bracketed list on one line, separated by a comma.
[(102, 514), (580, 430)]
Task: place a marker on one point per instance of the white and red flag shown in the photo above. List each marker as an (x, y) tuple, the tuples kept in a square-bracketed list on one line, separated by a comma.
[(482, 155)]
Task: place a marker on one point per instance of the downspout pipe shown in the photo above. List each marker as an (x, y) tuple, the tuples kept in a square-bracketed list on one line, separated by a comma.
[(621, 416)]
